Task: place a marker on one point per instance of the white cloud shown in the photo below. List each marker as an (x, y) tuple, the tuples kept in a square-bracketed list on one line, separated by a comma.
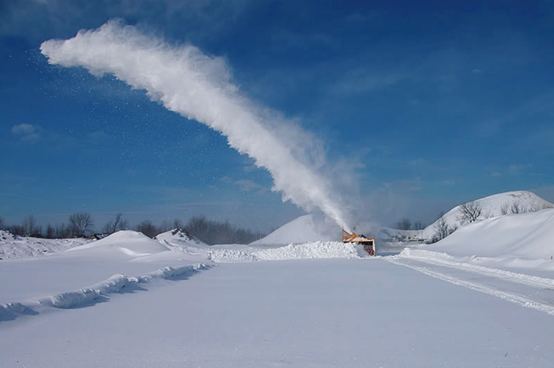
[(26, 132)]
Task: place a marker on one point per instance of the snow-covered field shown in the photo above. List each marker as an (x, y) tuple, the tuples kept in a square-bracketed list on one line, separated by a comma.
[(482, 297)]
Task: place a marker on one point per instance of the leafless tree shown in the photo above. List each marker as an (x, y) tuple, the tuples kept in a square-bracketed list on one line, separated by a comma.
[(404, 224), (50, 232), (442, 228), (61, 231), (118, 224), (29, 225), (517, 207), (148, 228), (505, 209), (2, 224), (418, 225), (470, 212), (177, 223), (80, 223)]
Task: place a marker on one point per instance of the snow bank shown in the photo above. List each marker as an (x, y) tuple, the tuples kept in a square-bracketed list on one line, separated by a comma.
[(25, 247), (313, 250), (128, 242), (89, 295), (526, 236), (492, 207)]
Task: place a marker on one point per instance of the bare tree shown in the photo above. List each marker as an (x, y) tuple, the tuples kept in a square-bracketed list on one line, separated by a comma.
[(517, 207), (30, 226), (16, 230), (404, 224), (177, 223), (2, 224), (148, 228), (118, 224), (50, 232), (80, 223), (442, 228), (505, 209), (418, 225), (470, 212), (61, 231)]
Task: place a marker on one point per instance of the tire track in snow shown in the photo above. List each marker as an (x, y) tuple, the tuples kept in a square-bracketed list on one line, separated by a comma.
[(523, 300), (433, 259)]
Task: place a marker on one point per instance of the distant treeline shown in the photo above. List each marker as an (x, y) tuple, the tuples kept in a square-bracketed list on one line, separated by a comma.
[(80, 225)]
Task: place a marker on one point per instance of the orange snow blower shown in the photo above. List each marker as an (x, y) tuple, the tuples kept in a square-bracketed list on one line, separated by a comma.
[(368, 243)]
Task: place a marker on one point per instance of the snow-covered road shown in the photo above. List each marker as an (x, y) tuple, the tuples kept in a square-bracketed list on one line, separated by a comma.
[(302, 313)]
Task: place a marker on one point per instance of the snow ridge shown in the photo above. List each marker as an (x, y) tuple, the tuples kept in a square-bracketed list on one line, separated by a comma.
[(90, 295), (315, 250)]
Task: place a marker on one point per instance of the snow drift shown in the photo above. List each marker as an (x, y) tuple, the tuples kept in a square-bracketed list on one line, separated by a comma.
[(179, 240), (90, 294), (128, 242), (316, 250), (24, 247), (492, 207), (525, 236), (199, 87)]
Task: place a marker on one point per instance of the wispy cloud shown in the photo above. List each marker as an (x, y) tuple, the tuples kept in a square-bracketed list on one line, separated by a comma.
[(27, 132), (245, 185), (513, 170), (364, 81)]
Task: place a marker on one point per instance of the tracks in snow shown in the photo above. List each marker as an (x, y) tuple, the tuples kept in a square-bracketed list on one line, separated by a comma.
[(528, 291)]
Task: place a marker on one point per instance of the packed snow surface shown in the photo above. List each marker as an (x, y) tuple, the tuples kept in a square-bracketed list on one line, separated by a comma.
[(323, 313)]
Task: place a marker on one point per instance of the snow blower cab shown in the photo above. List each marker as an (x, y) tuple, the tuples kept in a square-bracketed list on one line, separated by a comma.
[(367, 243)]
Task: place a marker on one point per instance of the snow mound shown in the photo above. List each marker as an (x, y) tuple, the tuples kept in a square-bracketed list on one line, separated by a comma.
[(525, 236), (128, 242), (179, 240), (304, 229), (90, 295), (492, 207), (315, 250), (25, 247)]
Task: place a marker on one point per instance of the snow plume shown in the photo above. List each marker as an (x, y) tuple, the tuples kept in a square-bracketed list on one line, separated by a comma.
[(199, 87)]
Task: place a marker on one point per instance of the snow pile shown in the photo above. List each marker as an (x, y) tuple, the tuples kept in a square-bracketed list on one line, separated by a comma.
[(492, 207), (179, 240), (319, 250), (24, 247), (128, 242), (309, 251), (304, 229), (80, 297), (528, 236)]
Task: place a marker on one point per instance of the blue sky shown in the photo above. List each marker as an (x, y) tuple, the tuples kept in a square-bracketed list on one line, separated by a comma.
[(435, 104)]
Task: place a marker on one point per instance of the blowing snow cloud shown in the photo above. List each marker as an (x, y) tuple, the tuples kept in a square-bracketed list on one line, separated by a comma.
[(199, 87)]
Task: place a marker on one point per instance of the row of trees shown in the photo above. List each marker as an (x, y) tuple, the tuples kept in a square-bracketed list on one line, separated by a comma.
[(406, 224), (209, 231), (78, 225), (81, 225)]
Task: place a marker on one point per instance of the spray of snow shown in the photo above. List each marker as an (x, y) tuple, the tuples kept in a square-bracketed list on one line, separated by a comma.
[(199, 87)]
